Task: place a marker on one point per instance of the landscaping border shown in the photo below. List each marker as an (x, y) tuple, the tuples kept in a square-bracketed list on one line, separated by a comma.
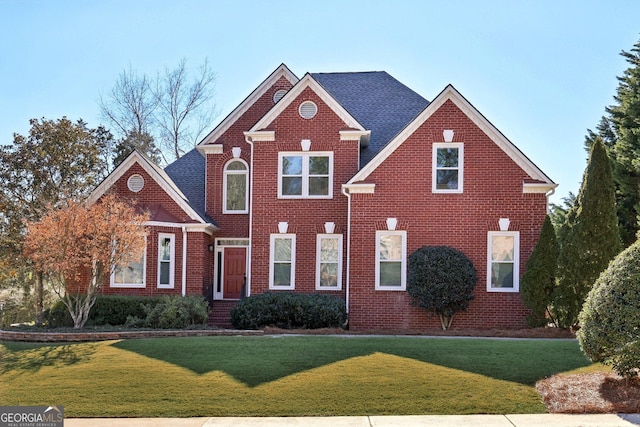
[(83, 336)]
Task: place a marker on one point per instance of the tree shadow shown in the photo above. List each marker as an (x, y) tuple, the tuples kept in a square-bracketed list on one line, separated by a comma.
[(29, 357), (624, 394)]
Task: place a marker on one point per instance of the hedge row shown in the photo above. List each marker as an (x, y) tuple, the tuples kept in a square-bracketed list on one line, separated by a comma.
[(289, 311)]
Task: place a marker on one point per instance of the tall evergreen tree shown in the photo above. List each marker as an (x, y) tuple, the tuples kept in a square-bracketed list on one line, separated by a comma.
[(620, 131), (539, 280), (590, 237)]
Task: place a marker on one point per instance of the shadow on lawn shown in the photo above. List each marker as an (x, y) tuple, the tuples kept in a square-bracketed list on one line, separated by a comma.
[(21, 357), (258, 360)]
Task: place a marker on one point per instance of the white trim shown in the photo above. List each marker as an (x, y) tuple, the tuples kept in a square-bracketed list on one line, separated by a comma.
[(305, 174), (113, 284), (319, 239), (225, 174), (537, 188), (450, 93), (359, 188), (516, 261), (260, 136), (353, 135), (210, 149), (191, 227), (307, 82), (184, 261), (434, 167), (403, 260), (272, 261), (218, 267), (171, 261), (227, 122)]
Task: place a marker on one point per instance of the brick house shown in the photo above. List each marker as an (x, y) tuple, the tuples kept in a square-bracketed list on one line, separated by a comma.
[(327, 183)]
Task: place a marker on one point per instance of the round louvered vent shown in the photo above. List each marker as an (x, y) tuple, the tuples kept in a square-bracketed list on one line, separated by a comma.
[(135, 183), (308, 110), (278, 95)]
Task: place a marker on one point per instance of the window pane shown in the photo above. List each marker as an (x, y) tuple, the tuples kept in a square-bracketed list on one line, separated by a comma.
[(165, 249), (282, 274), (236, 166), (502, 248), (329, 250), (501, 275), (164, 273), (329, 275), (391, 247), (131, 274), (292, 165), (447, 157), (319, 165), (291, 186), (236, 192), (282, 250), (318, 186), (391, 273), (447, 180)]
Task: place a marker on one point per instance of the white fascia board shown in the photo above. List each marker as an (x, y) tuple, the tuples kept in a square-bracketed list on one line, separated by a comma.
[(536, 187), (450, 93), (190, 227), (162, 179), (210, 149), (227, 122), (359, 188), (307, 82), (261, 135), (353, 135)]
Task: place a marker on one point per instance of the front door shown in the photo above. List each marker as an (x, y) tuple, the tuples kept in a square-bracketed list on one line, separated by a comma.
[(235, 270)]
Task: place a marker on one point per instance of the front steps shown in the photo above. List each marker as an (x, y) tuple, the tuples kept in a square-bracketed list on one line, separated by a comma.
[(220, 314)]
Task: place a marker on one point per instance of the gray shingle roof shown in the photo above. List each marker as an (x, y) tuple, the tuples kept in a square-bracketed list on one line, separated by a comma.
[(378, 101), (188, 173)]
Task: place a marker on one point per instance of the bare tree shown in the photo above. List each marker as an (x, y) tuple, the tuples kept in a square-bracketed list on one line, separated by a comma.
[(184, 109)]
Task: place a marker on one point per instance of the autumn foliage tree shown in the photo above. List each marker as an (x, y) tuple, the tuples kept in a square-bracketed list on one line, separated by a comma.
[(79, 245)]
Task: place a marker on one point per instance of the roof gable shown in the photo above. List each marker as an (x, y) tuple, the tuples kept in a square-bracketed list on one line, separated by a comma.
[(227, 122), (451, 94)]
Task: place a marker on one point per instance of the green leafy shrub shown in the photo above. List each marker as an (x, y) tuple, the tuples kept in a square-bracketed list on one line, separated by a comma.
[(172, 312), (115, 309), (441, 279), (57, 316), (289, 310), (609, 321)]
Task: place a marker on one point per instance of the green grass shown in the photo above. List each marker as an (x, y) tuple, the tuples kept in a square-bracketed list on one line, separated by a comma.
[(284, 376)]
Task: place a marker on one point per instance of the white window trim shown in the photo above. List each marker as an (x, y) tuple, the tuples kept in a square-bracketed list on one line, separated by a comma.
[(113, 284), (226, 173), (319, 239), (403, 268), (516, 261), (305, 173), (272, 245), (172, 263), (434, 168)]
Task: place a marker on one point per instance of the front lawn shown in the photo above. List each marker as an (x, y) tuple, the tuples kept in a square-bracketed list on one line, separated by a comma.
[(284, 376)]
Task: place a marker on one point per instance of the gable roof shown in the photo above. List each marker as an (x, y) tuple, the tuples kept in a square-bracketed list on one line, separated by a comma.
[(223, 126), (188, 174), (543, 182), (377, 100), (161, 178)]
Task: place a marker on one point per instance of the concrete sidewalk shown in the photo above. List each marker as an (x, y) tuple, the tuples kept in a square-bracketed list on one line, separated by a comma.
[(519, 420)]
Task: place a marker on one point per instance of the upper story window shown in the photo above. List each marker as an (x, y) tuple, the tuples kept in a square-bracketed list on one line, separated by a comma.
[(329, 262), (236, 183), (448, 167), (391, 260), (503, 259), (305, 175)]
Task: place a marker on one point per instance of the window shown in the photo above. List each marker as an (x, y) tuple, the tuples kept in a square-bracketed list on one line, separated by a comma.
[(166, 260), (282, 263), (307, 175), (236, 182), (391, 260), (448, 167), (329, 261), (132, 275), (503, 261)]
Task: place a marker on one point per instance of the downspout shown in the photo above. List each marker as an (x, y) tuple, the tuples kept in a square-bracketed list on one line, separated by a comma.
[(348, 275), (549, 194), (184, 261), (248, 287)]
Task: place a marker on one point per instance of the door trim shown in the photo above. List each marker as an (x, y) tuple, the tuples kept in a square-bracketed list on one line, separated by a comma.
[(218, 261)]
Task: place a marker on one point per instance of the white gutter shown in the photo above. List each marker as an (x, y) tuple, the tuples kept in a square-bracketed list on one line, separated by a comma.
[(348, 267), (184, 261), (249, 141)]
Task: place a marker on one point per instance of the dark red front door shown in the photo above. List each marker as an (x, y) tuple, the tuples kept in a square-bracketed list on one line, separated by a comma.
[(235, 265)]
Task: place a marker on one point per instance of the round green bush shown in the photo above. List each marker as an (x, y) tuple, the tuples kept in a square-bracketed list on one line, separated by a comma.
[(610, 317), (441, 279)]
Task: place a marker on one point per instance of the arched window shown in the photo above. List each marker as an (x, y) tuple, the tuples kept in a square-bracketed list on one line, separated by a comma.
[(236, 184)]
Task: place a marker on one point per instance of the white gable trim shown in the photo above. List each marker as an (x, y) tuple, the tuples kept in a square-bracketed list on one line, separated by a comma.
[(210, 149), (281, 71), (450, 93), (157, 174), (307, 82)]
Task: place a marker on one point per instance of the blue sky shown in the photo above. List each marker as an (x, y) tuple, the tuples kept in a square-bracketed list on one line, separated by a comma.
[(541, 71)]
